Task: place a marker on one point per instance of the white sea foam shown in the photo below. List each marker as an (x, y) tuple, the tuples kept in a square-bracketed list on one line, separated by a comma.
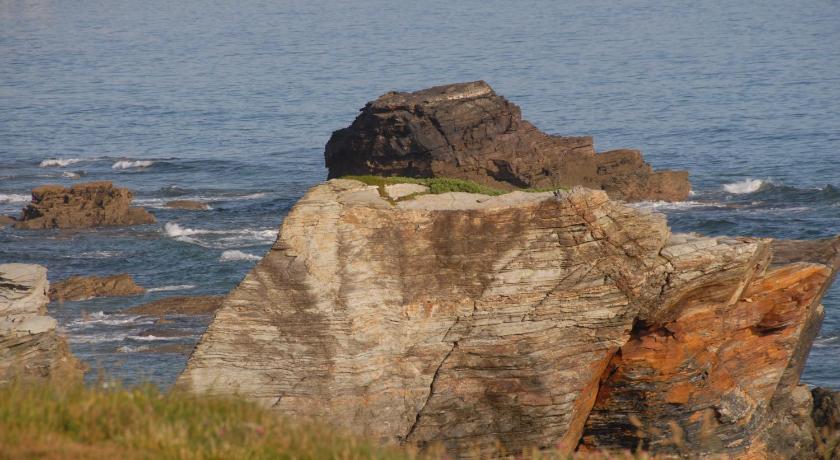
[(673, 206), (147, 338), (97, 338), (252, 196), (14, 198), (744, 186), (58, 162), (130, 349), (233, 254), (177, 287), (822, 342), (130, 164), (99, 254), (70, 175), (219, 239), (105, 319), (174, 230)]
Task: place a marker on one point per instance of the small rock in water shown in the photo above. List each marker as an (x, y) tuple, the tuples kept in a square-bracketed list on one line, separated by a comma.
[(92, 204), (179, 305), (88, 287), (190, 205)]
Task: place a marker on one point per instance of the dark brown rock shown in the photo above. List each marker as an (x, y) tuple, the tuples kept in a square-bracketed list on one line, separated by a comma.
[(189, 205), (467, 131), (87, 205), (88, 287), (179, 305)]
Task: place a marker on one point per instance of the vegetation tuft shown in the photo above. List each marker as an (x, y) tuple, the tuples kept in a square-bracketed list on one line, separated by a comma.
[(437, 185)]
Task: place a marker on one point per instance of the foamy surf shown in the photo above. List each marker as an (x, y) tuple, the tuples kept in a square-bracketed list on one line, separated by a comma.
[(177, 287), (58, 162), (234, 255), (132, 164), (673, 206), (14, 198), (743, 187), (219, 239)]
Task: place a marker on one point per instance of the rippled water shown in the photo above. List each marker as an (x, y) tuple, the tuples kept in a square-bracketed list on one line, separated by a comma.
[(231, 104)]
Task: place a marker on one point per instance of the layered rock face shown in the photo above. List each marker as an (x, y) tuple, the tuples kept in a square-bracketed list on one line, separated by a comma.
[(466, 131), (88, 287), (495, 324), (30, 346), (92, 204)]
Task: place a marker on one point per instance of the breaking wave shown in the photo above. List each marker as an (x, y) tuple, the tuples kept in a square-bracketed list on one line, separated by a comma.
[(219, 239), (745, 186), (233, 254), (131, 164), (14, 198), (58, 162), (177, 287)]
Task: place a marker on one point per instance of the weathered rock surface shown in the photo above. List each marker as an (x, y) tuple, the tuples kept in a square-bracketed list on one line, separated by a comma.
[(467, 131), (88, 287), (493, 324), (30, 346), (179, 305), (87, 205), (189, 205)]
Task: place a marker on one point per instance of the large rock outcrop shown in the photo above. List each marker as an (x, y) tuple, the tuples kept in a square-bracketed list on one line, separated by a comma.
[(30, 346), (92, 204), (495, 324), (466, 131)]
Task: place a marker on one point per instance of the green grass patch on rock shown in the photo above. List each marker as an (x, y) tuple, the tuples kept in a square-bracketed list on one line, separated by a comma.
[(438, 185)]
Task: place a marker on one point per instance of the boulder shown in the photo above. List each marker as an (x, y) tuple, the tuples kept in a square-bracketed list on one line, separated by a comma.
[(30, 346), (491, 325), (87, 205), (466, 131), (189, 205), (179, 305), (88, 287)]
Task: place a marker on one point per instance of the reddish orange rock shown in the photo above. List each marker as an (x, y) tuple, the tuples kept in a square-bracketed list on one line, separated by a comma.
[(705, 377)]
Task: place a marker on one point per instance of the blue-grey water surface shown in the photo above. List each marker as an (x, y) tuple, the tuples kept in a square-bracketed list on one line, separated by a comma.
[(231, 103)]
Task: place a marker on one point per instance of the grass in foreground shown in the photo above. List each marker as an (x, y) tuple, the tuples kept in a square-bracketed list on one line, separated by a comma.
[(72, 421), (75, 422)]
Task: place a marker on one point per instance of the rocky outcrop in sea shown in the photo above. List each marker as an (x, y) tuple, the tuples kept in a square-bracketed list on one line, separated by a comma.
[(495, 324), (92, 204), (466, 131), (30, 345), (89, 287)]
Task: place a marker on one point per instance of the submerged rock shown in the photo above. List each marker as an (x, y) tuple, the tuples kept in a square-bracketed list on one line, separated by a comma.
[(466, 131), (521, 320), (189, 205), (88, 287), (179, 305), (6, 220), (87, 205), (30, 346)]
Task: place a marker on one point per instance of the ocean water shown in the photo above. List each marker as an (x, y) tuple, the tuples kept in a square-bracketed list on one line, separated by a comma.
[(231, 103)]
